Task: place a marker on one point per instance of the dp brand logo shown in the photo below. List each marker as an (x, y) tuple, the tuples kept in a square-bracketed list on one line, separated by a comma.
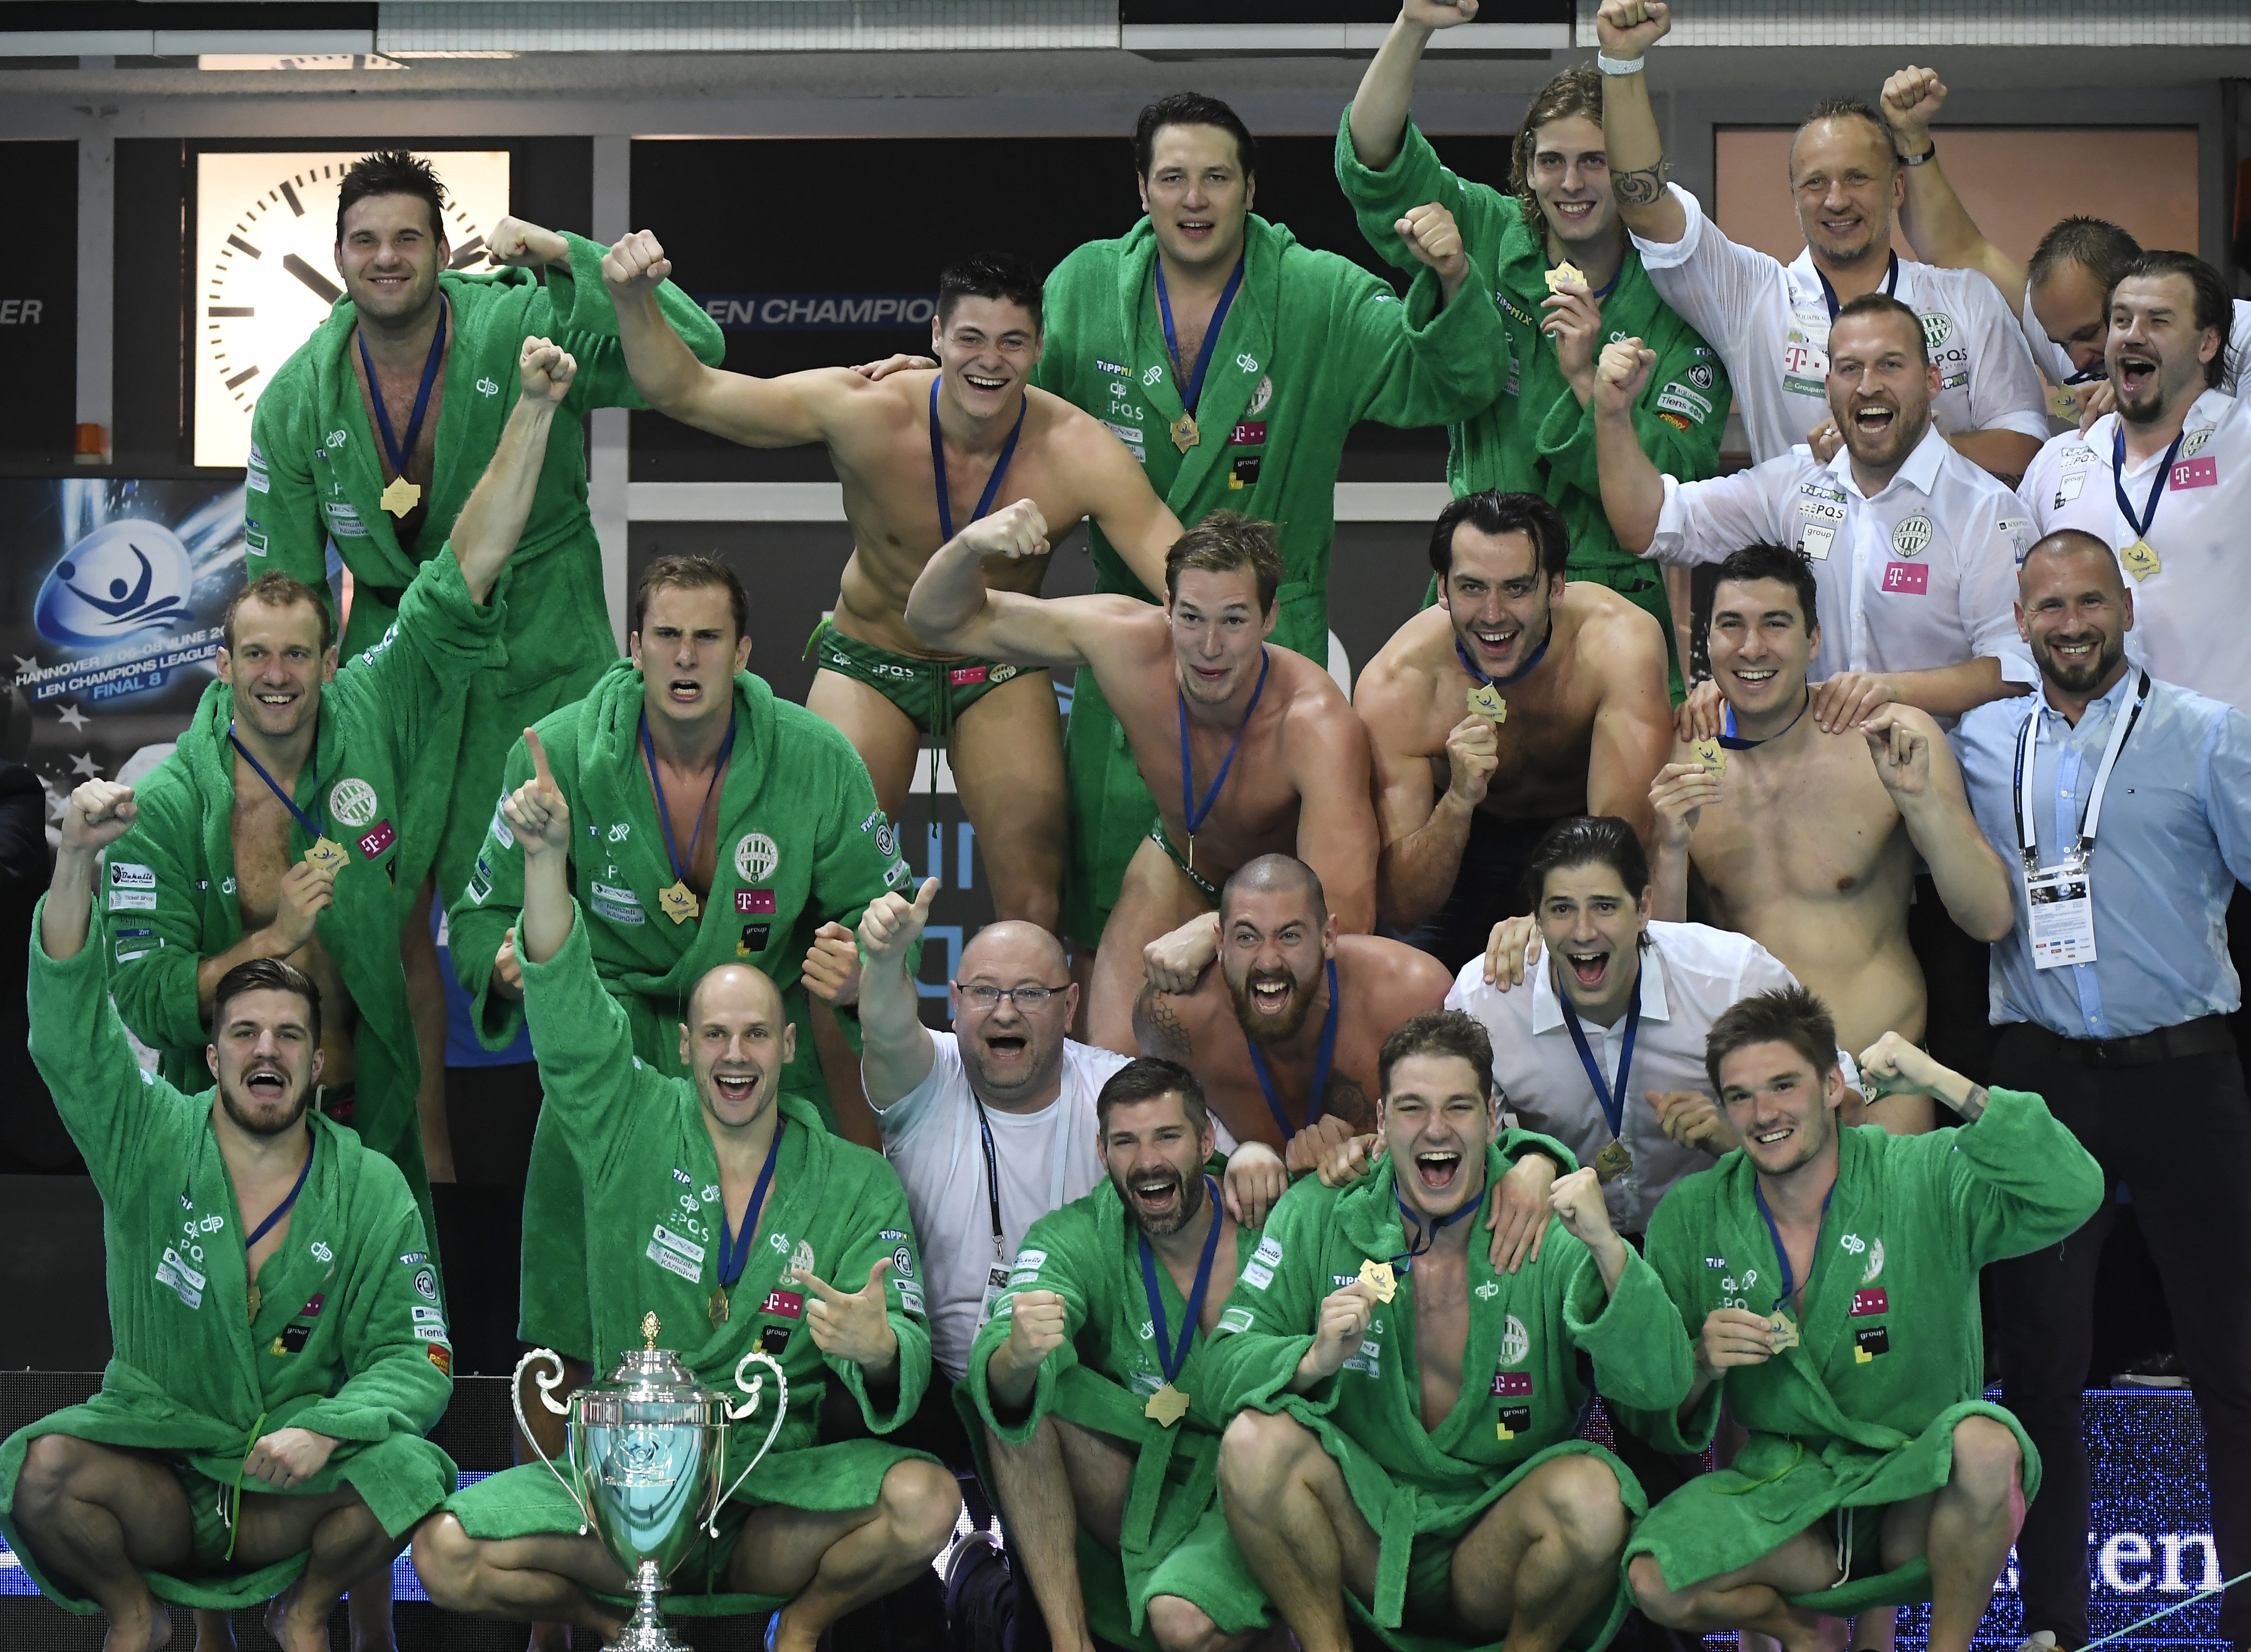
[(124, 578)]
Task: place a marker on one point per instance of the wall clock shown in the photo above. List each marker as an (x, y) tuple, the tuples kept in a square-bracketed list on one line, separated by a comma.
[(266, 270)]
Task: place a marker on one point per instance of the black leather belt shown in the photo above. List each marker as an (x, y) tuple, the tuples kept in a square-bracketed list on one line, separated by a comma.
[(2207, 1035)]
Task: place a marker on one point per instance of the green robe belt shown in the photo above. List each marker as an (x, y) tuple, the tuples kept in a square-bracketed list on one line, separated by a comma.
[(350, 1340), (653, 1222), (1312, 345), (1521, 1396), (1891, 1358), (316, 479), (1100, 1378), (169, 882)]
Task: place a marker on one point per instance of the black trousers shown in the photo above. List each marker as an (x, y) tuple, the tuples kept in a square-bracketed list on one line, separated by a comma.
[(2179, 1133)]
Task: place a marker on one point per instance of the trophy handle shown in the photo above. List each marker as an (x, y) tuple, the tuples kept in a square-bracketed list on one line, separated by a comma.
[(548, 1383), (736, 1413)]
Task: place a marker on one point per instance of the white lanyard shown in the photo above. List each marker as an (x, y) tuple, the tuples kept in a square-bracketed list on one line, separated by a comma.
[(2028, 746)]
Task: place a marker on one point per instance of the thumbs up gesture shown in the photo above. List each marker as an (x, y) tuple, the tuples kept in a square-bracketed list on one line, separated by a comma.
[(892, 924), (535, 811)]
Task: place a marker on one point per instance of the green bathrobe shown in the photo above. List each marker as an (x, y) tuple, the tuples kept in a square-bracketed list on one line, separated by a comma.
[(316, 478), (1521, 1395), (1174, 1539), (801, 842), (349, 1341), (652, 1205), (1312, 346), (1535, 437), (1862, 1413), (170, 884)]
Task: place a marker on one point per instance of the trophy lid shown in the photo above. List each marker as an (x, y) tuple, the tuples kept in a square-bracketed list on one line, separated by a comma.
[(654, 1372)]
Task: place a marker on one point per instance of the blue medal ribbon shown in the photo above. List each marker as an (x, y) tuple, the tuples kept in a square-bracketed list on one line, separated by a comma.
[(315, 825), (1410, 1220), (1515, 677), (1192, 390), (1172, 1355), (991, 483), (1612, 1097), (1829, 293), (1193, 815), (735, 1248), (1781, 1250), (1735, 742), (282, 1209), (2140, 523), (397, 455), (1320, 1070), (663, 814)]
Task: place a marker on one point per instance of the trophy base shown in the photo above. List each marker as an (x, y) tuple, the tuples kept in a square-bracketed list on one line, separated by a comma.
[(645, 1630)]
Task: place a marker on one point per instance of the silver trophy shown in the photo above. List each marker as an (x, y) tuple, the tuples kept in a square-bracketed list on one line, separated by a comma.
[(648, 1451)]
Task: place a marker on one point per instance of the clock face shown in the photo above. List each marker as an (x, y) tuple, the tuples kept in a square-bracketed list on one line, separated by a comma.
[(266, 267)]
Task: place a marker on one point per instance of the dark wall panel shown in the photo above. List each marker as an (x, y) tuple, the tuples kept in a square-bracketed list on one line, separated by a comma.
[(39, 309)]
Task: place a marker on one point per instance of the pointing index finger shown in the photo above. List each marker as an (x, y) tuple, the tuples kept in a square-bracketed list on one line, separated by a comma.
[(539, 769)]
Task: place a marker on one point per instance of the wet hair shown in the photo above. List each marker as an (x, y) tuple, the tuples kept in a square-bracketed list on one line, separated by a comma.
[(392, 172), (1145, 1079), (2095, 244), (266, 975), (280, 591), (1281, 873), (1885, 304), (2215, 308), (1191, 109), (692, 574), (1587, 840), (1761, 560), (1495, 512), (1787, 1015), (1578, 90), (1002, 276), (1223, 543), (1846, 109), (1437, 1032)]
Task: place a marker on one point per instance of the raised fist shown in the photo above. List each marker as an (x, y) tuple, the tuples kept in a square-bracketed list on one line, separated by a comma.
[(100, 812), (1432, 236), (1911, 100), (1621, 374), (547, 370), (525, 246), (1015, 531), (1626, 29), (635, 264), (1439, 14)]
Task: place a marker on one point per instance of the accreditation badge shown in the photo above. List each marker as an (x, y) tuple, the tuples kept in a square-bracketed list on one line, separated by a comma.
[(996, 1281), (2059, 901)]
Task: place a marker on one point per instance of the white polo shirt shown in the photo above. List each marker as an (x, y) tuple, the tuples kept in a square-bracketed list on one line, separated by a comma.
[(2188, 616), (1691, 974), (2051, 358), (1770, 322), (1046, 1160), (1922, 575)]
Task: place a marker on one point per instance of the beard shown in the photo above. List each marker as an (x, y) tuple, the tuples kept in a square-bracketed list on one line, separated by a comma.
[(257, 1119), (2078, 677), (1266, 1029), (1187, 1202)]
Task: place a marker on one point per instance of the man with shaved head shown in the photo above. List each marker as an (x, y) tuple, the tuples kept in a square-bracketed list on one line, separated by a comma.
[(719, 1203), (2112, 993)]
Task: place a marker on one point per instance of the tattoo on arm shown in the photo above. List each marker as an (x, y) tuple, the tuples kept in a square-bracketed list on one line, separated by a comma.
[(1640, 187), (1157, 1024)]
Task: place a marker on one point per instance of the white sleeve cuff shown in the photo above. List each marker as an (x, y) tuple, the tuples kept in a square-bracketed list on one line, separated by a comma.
[(1668, 543), (2024, 420), (1672, 254)]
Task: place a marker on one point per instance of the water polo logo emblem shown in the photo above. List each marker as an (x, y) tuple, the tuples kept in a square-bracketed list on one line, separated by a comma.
[(124, 578)]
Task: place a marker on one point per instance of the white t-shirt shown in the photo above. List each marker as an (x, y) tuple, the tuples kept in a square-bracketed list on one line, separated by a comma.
[(2051, 359), (2188, 616), (1691, 975), (1046, 1159), (1921, 576), (1770, 322)]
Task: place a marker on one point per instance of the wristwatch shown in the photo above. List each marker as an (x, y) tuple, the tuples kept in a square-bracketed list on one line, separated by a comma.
[(1927, 155)]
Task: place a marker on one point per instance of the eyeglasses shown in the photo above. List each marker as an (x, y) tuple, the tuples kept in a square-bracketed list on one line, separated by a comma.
[(981, 996)]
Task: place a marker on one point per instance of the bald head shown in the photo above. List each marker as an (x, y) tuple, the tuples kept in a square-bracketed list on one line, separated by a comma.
[(1281, 875), (2064, 549), (735, 1041), (734, 990), (1012, 951)]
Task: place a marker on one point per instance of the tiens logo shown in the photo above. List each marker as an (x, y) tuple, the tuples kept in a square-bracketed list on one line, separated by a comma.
[(1515, 1342), (756, 857), (1912, 536), (352, 801)]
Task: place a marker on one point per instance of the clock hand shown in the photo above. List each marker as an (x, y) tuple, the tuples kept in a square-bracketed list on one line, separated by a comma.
[(324, 289)]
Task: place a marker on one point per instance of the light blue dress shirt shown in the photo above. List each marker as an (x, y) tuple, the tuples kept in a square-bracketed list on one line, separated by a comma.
[(2174, 839)]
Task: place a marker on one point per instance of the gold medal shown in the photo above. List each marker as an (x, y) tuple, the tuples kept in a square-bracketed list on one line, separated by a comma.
[(1377, 1277), (401, 496), (678, 901), (2140, 560), (254, 1298), (1613, 1162), (1785, 1331), (2063, 402), (326, 855), (1185, 435), (1485, 701), (719, 1306), (1711, 754), (1167, 1406), (1566, 271)]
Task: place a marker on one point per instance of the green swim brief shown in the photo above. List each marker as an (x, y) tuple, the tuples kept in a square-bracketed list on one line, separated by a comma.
[(1163, 840), (932, 692), (210, 1514)]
